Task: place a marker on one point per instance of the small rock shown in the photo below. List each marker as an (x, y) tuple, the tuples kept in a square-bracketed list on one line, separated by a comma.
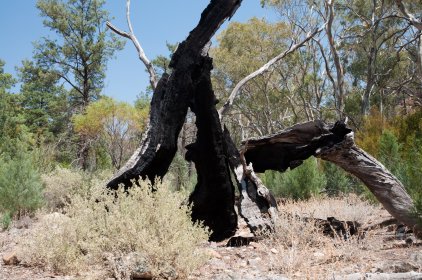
[(214, 254), (274, 251), (254, 262), (217, 264), (226, 258), (10, 259), (240, 256), (318, 255), (416, 257), (255, 245)]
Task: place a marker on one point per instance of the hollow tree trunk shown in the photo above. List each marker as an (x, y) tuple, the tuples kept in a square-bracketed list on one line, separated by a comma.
[(170, 100), (333, 143), (214, 154), (213, 197)]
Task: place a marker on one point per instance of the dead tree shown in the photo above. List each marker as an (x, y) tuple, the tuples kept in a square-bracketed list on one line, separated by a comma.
[(334, 143), (189, 85)]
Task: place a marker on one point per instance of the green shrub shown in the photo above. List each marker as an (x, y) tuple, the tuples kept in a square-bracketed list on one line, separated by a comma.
[(179, 176), (154, 224), (389, 153), (6, 220), (20, 185), (338, 182), (300, 183)]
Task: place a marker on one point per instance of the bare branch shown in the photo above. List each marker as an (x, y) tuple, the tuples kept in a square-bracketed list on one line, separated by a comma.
[(264, 69), (410, 17), (131, 36)]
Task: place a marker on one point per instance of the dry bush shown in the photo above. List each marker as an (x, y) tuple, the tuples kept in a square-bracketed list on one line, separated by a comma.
[(303, 248), (62, 184), (153, 224)]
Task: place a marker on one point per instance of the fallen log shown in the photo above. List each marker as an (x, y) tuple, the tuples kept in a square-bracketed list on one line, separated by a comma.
[(334, 143)]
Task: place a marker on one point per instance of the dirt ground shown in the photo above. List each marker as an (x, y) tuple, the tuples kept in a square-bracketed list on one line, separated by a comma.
[(383, 252)]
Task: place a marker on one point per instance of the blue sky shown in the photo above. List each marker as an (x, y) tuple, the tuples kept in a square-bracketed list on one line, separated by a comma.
[(155, 22)]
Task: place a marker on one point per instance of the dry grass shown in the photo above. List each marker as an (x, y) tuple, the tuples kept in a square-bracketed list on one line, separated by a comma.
[(347, 208), (304, 250), (153, 224)]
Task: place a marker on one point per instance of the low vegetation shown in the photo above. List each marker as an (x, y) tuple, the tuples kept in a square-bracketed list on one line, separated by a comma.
[(102, 228), (304, 248)]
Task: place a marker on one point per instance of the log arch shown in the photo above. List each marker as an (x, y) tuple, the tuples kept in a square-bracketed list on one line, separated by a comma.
[(334, 143)]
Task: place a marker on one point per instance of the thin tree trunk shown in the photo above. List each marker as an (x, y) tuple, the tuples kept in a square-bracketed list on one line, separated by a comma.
[(339, 85)]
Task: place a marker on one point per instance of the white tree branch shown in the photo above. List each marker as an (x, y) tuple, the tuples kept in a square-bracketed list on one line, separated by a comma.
[(264, 69), (131, 36), (410, 17)]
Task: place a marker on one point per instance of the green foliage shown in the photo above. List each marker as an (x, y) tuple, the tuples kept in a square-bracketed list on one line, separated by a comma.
[(20, 185), (6, 220), (180, 177), (389, 152), (302, 182), (82, 50), (44, 102), (11, 115), (337, 180), (113, 127)]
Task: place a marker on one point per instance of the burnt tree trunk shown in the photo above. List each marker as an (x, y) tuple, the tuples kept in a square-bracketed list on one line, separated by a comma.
[(333, 143), (189, 85), (256, 204), (213, 197), (171, 98), (214, 154)]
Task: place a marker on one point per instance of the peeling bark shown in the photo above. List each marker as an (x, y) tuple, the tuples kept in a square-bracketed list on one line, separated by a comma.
[(256, 205), (389, 191)]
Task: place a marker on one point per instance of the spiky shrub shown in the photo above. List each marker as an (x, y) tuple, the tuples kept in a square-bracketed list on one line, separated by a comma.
[(154, 224)]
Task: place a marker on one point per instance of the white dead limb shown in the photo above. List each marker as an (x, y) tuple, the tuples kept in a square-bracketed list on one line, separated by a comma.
[(264, 69), (131, 36), (410, 17)]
